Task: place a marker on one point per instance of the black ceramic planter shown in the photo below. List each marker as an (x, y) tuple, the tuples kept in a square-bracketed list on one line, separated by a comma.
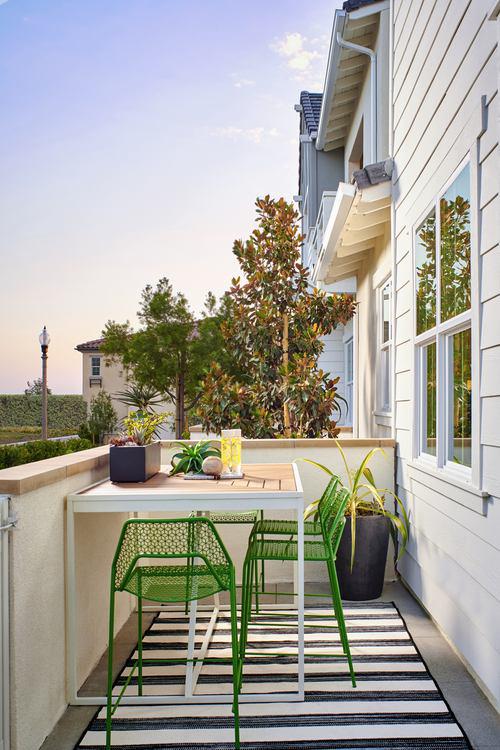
[(135, 463), (367, 577)]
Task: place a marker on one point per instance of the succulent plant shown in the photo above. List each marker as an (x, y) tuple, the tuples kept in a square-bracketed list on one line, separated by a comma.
[(191, 457)]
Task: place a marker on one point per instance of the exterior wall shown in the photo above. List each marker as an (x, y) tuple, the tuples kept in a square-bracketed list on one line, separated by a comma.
[(375, 269), (443, 66), (319, 171), (37, 566), (113, 379)]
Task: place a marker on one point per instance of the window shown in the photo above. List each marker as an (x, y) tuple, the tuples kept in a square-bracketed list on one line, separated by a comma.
[(95, 367), (443, 327), (384, 347), (349, 377)]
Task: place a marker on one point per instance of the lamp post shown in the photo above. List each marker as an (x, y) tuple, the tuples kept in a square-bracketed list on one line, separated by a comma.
[(44, 340)]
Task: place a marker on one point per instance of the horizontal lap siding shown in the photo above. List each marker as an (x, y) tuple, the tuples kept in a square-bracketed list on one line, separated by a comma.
[(445, 61)]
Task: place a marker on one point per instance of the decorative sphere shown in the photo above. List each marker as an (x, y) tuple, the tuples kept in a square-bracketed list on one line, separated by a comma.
[(212, 466)]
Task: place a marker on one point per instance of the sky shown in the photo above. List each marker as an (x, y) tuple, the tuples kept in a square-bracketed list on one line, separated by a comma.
[(135, 136)]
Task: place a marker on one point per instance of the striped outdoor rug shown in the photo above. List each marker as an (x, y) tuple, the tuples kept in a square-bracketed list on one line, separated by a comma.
[(396, 706)]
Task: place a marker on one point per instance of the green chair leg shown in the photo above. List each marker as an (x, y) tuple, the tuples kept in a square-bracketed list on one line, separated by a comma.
[(339, 614), (235, 660), (139, 642), (109, 704)]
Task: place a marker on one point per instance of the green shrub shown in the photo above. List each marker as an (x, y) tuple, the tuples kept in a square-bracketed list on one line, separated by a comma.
[(102, 419), (37, 450), (64, 412)]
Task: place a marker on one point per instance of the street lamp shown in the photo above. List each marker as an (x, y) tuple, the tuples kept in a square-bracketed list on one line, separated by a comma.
[(44, 340)]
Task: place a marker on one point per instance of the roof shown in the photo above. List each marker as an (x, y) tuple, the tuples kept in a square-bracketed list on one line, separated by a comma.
[(350, 5), (372, 174), (311, 109), (90, 346)]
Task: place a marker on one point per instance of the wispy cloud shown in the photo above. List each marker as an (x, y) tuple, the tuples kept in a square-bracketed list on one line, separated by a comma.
[(254, 135), (304, 56), (239, 82)]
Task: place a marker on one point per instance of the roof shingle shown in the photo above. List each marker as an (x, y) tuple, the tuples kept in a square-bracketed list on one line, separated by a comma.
[(311, 109), (90, 346)]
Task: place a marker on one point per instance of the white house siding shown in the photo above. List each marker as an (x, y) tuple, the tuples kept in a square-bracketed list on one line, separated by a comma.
[(332, 360), (445, 61)]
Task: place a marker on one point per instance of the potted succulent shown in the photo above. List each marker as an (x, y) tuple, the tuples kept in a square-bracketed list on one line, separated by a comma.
[(201, 458), (135, 456), (362, 553)]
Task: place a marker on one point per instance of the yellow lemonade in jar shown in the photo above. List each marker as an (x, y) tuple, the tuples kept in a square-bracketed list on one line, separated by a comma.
[(236, 453), (225, 451)]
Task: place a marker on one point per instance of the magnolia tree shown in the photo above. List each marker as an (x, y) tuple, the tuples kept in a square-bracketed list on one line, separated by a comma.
[(273, 329)]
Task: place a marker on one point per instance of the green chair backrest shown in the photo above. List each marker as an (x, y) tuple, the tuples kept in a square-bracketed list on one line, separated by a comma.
[(194, 537), (332, 518)]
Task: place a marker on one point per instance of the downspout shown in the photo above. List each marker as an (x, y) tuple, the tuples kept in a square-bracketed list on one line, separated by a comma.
[(373, 88)]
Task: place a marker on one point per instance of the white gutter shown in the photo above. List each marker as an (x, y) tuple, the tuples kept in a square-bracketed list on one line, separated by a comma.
[(373, 89)]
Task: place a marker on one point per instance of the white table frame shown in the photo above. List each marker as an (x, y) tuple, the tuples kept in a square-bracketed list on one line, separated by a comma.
[(183, 504)]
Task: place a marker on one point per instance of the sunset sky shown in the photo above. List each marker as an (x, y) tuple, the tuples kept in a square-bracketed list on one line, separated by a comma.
[(135, 136)]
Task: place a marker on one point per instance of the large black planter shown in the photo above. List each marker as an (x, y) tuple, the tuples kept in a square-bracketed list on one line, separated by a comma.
[(367, 578), (135, 463)]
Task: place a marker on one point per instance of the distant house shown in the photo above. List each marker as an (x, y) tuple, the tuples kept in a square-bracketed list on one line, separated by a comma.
[(98, 376), (399, 186)]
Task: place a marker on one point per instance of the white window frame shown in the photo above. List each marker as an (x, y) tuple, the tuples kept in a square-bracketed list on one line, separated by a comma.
[(441, 333), (349, 384), (383, 348), (92, 373)]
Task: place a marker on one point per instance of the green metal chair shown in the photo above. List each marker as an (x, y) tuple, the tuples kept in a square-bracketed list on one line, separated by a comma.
[(209, 570), (332, 521), (279, 527)]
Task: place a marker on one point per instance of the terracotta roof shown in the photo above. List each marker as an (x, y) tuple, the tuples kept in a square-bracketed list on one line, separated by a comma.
[(311, 108), (89, 346)]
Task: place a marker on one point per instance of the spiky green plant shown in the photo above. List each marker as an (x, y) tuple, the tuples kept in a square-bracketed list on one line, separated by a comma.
[(191, 457), (366, 499)]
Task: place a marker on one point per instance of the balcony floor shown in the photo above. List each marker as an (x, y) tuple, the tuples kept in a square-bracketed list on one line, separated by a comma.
[(477, 717)]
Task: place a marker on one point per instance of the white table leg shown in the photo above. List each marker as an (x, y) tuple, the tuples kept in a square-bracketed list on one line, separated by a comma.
[(188, 692), (300, 600)]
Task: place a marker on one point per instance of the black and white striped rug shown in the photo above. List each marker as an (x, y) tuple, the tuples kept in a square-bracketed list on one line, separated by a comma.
[(396, 705)]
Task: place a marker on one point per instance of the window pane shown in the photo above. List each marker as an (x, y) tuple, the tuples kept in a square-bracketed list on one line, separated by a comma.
[(455, 247), (386, 313), (385, 385), (96, 366), (425, 260), (429, 400), (462, 389)]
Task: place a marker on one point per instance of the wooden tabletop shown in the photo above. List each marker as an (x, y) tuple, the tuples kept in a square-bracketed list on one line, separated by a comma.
[(257, 478)]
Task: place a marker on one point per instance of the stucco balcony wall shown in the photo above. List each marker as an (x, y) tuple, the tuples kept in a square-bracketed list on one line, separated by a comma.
[(37, 598)]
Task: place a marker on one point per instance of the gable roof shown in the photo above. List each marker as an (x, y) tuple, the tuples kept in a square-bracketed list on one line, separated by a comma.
[(90, 346), (311, 109)]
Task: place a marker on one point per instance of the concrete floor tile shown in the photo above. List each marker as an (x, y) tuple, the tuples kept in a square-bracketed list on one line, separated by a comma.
[(477, 716)]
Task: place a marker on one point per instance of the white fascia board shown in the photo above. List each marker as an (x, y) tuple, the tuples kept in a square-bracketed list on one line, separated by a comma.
[(340, 211), (369, 10), (331, 76)]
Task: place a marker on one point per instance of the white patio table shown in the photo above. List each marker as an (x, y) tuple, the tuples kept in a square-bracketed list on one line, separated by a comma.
[(268, 487)]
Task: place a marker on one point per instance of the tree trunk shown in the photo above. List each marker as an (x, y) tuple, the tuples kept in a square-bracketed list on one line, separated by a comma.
[(182, 404), (178, 409), (286, 410)]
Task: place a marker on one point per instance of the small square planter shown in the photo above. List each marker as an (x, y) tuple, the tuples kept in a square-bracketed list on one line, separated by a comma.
[(134, 463)]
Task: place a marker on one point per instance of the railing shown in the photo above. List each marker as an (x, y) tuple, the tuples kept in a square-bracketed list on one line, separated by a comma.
[(314, 238)]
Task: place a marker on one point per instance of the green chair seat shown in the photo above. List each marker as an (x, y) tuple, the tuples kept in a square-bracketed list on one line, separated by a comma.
[(281, 549), (249, 516), (278, 526), (177, 583)]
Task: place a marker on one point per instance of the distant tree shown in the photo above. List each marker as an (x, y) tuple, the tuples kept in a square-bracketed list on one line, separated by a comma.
[(171, 350), (35, 388), (102, 419), (273, 331)]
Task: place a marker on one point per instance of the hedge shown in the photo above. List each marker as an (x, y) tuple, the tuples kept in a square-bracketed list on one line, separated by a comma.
[(63, 412), (37, 450)]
